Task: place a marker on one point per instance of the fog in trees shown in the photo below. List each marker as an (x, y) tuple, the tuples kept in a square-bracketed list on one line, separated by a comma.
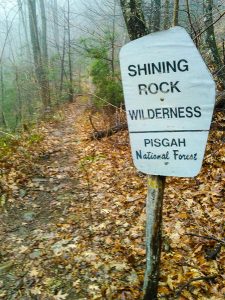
[(52, 50)]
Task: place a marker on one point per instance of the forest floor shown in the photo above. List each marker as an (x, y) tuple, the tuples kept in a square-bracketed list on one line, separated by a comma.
[(72, 217)]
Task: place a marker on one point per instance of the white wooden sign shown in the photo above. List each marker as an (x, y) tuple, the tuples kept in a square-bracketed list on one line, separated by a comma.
[(169, 96)]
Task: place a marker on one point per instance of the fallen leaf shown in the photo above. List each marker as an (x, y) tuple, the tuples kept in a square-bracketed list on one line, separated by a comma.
[(60, 296)]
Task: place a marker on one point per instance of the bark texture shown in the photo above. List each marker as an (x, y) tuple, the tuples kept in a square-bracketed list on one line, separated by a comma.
[(71, 91), (38, 60), (134, 18), (211, 40), (153, 235), (44, 34), (156, 15), (176, 12), (166, 20)]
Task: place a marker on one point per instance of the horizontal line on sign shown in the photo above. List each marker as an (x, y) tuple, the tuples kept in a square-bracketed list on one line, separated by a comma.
[(156, 131)]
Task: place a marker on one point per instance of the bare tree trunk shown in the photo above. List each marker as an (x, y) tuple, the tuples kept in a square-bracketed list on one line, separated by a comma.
[(56, 24), (148, 10), (59, 65), (113, 41), (18, 98), (166, 22), (134, 18), (20, 5), (153, 235), (156, 15), (211, 40), (190, 22), (44, 34), (2, 115), (19, 104), (38, 62), (71, 91), (223, 51), (62, 70), (176, 12)]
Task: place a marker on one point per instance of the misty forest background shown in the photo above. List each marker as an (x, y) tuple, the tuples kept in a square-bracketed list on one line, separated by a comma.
[(51, 51)]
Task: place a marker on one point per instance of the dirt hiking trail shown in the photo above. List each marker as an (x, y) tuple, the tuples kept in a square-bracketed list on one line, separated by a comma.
[(73, 225)]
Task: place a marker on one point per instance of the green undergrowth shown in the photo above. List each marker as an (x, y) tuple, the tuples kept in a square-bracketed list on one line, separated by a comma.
[(10, 143)]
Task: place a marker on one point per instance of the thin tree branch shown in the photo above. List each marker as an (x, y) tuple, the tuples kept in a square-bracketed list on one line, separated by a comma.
[(186, 285), (190, 20), (7, 35), (92, 124), (207, 237), (91, 94), (200, 33)]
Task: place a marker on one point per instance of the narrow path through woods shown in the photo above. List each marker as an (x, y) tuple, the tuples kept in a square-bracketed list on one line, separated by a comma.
[(72, 226), (32, 228), (56, 237)]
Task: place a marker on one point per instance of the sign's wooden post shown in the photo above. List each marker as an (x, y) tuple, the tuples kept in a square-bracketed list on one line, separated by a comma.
[(153, 235), (169, 96)]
